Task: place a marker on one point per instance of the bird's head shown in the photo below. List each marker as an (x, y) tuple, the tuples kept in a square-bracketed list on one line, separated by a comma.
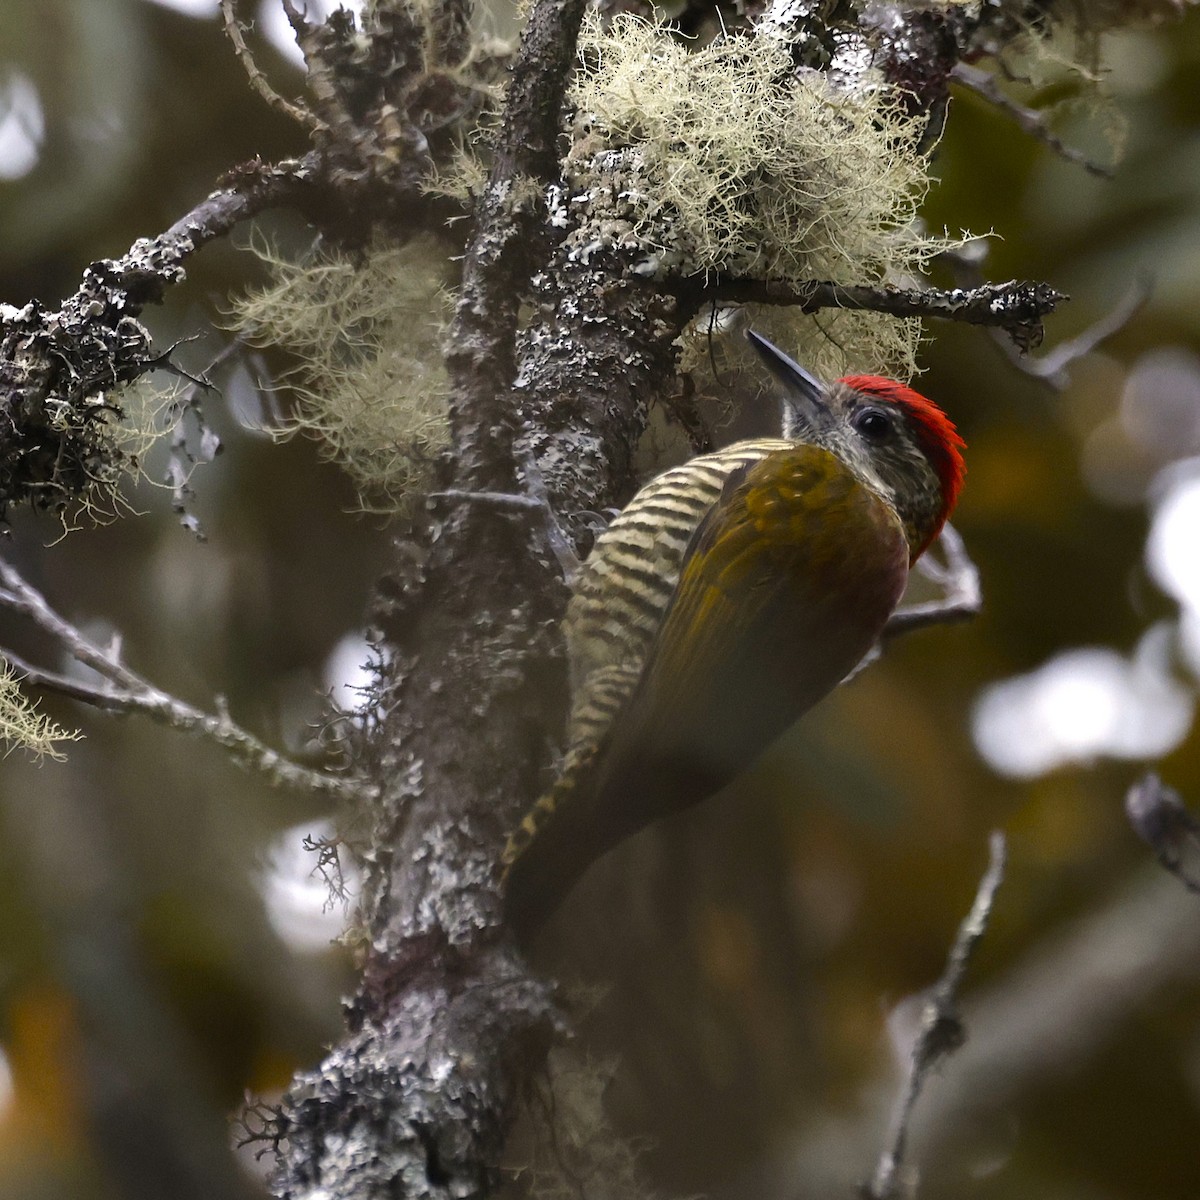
[(898, 443)]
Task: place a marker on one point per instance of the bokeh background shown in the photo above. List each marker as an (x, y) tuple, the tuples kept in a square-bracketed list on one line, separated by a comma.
[(743, 975)]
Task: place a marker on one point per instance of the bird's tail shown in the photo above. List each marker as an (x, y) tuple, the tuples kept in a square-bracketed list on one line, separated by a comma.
[(551, 847)]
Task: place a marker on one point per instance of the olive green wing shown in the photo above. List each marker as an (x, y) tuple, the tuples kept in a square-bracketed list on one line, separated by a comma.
[(785, 584)]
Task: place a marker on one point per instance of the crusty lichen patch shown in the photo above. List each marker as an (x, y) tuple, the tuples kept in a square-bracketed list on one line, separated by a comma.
[(69, 439), (370, 382)]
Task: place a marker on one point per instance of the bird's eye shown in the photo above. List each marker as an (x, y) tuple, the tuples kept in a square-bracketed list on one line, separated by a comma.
[(873, 423)]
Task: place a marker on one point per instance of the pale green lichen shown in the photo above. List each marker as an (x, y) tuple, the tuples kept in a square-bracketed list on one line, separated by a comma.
[(830, 343), (1058, 73), (22, 727), (370, 383), (728, 160), (132, 423)]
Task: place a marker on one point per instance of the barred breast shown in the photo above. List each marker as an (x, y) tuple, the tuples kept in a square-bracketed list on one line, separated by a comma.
[(625, 585)]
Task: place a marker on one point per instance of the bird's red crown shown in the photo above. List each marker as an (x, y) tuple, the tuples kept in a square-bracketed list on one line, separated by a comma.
[(938, 435)]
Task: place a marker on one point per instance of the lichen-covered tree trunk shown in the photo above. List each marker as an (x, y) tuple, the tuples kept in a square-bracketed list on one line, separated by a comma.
[(448, 1022)]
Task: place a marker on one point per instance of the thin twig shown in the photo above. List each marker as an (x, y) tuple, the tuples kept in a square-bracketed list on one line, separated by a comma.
[(1064, 1002), (941, 1031), (1161, 819), (235, 31), (512, 500), (124, 691), (1018, 307), (183, 461), (1028, 119), (296, 19), (103, 698), (961, 599), (538, 502), (962, 595), (1052, 367), (556, 537), (21, 597)]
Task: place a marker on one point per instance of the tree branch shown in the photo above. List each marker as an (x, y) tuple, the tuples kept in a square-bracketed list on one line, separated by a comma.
[(941, 1031), (151, 265), (1052, 368), (236, 31), (448, 1021), (1058, 1006), (962, 594), (1032, 122), (124, 692), (1016, 307), (1161, 819), (56, 448), (503, 250), (367, 172)]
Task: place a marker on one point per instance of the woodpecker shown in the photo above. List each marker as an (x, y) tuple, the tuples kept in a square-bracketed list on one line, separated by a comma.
[(727, 598)]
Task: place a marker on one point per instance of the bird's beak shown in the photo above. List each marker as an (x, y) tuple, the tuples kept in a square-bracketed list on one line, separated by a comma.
[(805, 395)]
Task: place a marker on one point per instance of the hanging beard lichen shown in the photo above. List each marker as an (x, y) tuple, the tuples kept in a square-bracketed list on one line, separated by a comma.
[(370, 382), (727, 159), (22, 726)]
